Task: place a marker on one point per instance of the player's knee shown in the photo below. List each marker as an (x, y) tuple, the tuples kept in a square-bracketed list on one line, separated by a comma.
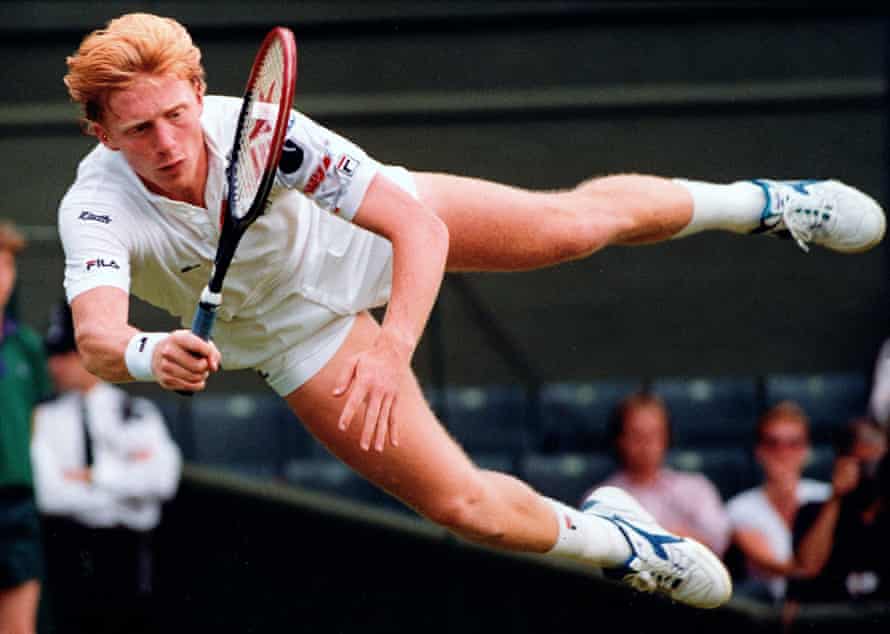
[(571, 234), (468, 514)]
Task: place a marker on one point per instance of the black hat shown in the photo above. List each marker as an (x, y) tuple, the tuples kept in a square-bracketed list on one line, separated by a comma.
[(60, 333)]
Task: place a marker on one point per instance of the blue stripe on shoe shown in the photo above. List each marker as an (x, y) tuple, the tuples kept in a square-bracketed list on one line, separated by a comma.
[(589, 504), (657, 541), (801, 185), (765, 212)]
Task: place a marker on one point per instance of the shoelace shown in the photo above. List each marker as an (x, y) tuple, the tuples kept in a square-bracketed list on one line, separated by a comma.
[(803, 223), (665, 578), (646, 581)]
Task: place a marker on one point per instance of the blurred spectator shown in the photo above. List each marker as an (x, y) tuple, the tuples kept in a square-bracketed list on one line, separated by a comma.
[(762, 517), (879, 399), (23, 383), (103, 463), (840, 544), (684, 503)]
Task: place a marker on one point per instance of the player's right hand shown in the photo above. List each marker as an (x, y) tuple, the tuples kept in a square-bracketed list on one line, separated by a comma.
[(183, 361)]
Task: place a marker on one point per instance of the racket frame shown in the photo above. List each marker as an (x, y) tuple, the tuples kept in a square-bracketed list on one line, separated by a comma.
[(232, 227)]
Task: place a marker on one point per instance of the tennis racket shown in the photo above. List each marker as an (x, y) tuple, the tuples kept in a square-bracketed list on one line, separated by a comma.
[(256, 151)]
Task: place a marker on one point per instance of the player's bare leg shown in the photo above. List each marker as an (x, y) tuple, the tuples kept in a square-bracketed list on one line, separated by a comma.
[(431, 473), (428, 470), (498, 227), (18, 608)]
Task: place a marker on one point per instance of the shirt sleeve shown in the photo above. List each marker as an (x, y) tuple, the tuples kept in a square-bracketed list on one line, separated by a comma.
[(96, 248), (331, 170)]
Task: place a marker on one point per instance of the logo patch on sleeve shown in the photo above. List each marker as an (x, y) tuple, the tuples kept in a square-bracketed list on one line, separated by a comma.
[(89, 216), (347, 165)]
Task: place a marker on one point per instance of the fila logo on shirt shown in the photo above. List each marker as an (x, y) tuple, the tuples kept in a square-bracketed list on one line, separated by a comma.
[(100, 263), (87, 216)]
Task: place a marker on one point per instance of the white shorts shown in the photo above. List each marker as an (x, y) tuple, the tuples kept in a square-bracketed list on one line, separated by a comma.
[(332, 318)]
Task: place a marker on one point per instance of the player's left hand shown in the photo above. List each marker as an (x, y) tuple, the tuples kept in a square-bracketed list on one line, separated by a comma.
[(373, 378)]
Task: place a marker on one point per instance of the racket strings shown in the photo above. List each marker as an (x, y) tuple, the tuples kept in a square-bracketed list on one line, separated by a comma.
[(255, 141)]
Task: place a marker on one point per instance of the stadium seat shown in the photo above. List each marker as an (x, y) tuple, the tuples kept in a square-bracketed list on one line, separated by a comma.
[(730, 469), (820, 463), (830, 399), (575, 416), (252, 434), (487, 421), (568, 476), (710, 412)]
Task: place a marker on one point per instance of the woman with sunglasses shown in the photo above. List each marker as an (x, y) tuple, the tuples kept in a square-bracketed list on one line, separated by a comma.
[(762, 517)]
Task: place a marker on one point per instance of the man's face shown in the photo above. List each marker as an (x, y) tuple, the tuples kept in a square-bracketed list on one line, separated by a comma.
[(156, 124), (643, 441), (7, 276)]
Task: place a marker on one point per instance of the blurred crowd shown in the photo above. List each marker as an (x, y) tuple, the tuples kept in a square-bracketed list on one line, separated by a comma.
[(790, 540), (84, 472)]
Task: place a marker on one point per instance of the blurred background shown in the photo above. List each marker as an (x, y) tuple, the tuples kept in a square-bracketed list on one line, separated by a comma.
[(524, 368)]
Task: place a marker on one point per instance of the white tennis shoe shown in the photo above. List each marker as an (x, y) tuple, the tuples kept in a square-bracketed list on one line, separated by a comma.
[(678, 567), (825, 212)]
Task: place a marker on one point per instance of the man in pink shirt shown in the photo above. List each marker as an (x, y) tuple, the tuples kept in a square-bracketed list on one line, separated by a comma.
[(686, 503)]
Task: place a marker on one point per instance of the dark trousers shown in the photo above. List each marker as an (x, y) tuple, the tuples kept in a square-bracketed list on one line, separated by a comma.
[(99, 580)]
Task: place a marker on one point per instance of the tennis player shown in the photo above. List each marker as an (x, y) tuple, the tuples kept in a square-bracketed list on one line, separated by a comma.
[(343, 234)]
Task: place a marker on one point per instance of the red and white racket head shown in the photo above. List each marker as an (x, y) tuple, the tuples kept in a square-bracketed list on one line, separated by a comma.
[(262, 124)]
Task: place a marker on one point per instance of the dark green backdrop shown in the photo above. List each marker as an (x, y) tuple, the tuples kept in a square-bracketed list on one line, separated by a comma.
[(543, 95)]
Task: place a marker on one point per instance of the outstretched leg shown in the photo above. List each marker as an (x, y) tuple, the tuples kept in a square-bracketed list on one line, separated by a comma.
[(431, 473), (496, 227), (427, 470), (499, 227)]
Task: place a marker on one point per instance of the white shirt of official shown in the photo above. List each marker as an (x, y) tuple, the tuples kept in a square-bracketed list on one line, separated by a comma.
[(298, 268), (124, 491)]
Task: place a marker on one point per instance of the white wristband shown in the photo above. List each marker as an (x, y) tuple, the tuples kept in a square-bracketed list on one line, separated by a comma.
[(139, 353)]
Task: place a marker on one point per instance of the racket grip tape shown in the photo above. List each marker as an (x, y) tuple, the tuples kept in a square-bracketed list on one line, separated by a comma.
[(205, 317), (202, 325)]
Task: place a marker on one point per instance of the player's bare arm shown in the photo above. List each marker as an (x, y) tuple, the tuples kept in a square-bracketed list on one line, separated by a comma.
[(420, 248), (179, 361)]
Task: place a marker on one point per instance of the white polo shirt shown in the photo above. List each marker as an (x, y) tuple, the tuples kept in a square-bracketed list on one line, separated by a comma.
[(137, 466), (751, 509), (297, 269)]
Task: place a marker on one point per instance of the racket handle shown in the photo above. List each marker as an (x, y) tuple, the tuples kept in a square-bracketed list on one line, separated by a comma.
[(205, 317), (202, 325)]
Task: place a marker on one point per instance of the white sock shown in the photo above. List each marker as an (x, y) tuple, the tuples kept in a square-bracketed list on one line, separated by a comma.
[(735, 207), (588, 538)]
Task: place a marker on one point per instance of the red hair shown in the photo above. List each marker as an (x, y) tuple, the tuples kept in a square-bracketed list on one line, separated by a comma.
[(137, 43)]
